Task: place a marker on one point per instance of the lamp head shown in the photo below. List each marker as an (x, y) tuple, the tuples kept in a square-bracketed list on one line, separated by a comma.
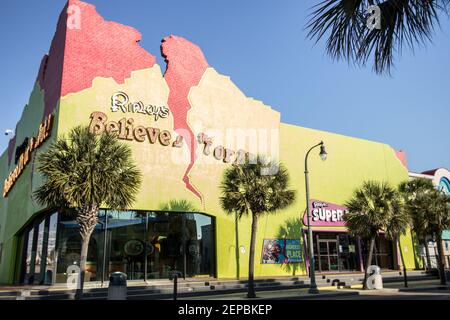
[(323, 153)]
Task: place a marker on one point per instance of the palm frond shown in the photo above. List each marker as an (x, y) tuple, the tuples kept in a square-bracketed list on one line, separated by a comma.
[(403, 22), (246, 188), (86, 170)]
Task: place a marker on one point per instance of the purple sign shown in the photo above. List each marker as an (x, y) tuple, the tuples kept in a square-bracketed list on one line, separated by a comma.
[(324, 214)]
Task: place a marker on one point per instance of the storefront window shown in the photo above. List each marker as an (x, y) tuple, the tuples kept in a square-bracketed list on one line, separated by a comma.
[(29, 261), (382, 253), (348, 257), (39, 253), (69, 249), (164, 244), (199, 245), (126, 248), (335, 252), (50, 269), (144, 245)]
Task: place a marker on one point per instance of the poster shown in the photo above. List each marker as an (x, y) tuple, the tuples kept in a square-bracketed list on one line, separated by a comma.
[(281, 251)]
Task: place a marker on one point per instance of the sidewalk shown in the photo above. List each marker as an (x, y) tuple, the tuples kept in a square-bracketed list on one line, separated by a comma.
[(331, 292), (291, 294)]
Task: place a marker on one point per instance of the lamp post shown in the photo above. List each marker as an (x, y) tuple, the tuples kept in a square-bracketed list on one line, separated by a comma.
[(323, 155)]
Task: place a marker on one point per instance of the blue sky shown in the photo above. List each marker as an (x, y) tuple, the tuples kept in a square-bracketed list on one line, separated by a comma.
[(262, 46)]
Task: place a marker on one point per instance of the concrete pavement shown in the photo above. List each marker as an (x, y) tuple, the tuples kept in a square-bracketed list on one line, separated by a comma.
[(417, 290)]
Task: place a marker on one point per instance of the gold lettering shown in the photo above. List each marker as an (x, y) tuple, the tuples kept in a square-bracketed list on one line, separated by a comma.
[(139, 134), (130, 129), (218, 153), (98, 120), (164, 138), (112, 127), (153, 134), (228, 154), (34, 142), (49, 126), (123, 129)]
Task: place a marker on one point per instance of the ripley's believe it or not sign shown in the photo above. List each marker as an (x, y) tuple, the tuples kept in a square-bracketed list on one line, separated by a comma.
[(126, 129), (34, 143), (324, 214)]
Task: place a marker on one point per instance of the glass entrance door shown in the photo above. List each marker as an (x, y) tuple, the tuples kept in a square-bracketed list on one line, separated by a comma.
[(328, 255)]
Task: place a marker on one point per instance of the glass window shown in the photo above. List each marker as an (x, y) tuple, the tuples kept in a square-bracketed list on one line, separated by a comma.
[(348, 257), (382, 252), (199, 244), (39, 252), (69, 249), (164, 244), (142, 245), (50, 268), (126, 243), (28, 258)]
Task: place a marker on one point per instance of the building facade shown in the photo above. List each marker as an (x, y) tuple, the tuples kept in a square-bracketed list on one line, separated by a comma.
[(441, 180), (185, 126)]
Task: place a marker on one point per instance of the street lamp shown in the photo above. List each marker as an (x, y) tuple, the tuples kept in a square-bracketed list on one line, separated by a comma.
[(323, 155)]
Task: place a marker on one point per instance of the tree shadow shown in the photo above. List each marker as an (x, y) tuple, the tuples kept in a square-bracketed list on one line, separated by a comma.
[(292, 229), (175, 205)]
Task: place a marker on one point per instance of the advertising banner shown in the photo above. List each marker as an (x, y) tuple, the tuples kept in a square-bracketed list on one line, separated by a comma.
[(281, 251), (325, 214)]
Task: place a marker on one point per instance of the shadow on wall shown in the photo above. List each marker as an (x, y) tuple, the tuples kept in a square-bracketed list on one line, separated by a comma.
[(292, 229), (178, 206), (419, 260)]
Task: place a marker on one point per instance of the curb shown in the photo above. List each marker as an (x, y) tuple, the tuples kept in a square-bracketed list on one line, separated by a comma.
[(315, 296), (429, 288)]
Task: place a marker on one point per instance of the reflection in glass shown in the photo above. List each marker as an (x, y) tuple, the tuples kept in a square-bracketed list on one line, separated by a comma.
[(164, 244), (29, 254), (382, 253), (50, 268), (335, 252), (144, 245), (69, 249), (199, 245), (348, 258), (126, 231), (39, 253)]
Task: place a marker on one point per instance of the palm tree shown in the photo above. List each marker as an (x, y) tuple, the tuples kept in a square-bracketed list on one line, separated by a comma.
[(412, 191), (248, 189), (370, 210), (398, 224), (436, 208), (82, 173), (402, 22)]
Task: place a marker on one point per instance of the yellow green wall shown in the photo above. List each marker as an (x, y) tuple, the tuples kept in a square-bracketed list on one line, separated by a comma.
[(220, 110)]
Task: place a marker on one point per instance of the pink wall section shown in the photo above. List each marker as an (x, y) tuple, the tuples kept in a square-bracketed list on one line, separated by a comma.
[(401, 155), (186, 65), (93, 48)]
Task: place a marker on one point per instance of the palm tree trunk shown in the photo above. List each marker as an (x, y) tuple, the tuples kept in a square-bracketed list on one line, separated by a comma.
[(369, 261), (87, 220), (405, 277), (238, 263), (251, 263), (441, 259), (427, 254)]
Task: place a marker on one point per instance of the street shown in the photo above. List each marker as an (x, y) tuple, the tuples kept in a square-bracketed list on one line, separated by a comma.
[(395, 295)]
